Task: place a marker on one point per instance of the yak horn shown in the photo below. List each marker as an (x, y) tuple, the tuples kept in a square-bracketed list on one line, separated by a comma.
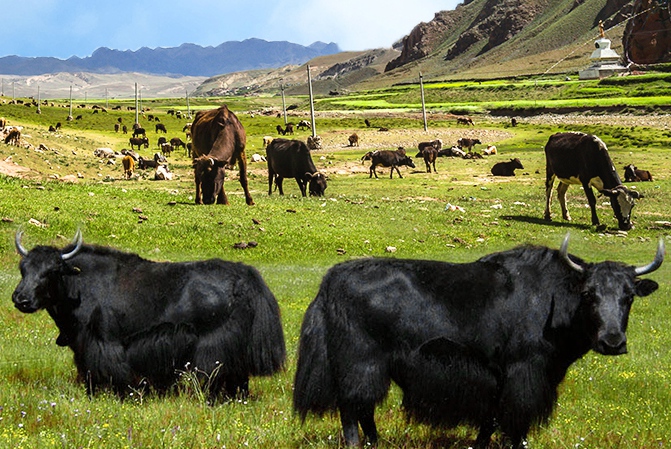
[(656, 263), (563, 251), (19, 247), (77, 241)]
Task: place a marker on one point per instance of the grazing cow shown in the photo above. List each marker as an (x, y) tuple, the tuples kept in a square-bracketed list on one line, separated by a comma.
[(280, 130), (468, 144), (117, 127), (161, 140), (176, 142), (166, 149), (388, 158), (463, 351), (304, 124), (161, 127), (429, 154), (291, 159), (13, 137), (137, 131), (128, 166), (353, 140), (289, 129), (633, 174), (138, 141), (578, 158), (131, 321), (367, 123), (507, 168), (218, 140), (124, 129), (465, 121)]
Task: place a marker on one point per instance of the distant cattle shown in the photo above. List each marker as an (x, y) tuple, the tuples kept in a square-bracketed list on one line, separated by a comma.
[(104, 153), (304, 124), (137, 131), (124, 129), (166, 149), (388, 158), (633, 174), (578, 158), (117, 127), (484, 343), (353, 140), (507, 168), (429, 154), (162, 173), (134, 323), (218, 140), (291, 159), (160, 141), (266, 141), (465, 121), (13, 137), (468, 144), (452, 152), (490, 150), (437, 144), (289, 129), (176, 142), (138, 142), (160, 127), (128, 166), (367, 123), (513, 122), (280, 130)]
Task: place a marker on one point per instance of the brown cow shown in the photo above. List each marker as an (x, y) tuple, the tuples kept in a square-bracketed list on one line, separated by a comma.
[(218, 140), (353, 140), (128, 166)]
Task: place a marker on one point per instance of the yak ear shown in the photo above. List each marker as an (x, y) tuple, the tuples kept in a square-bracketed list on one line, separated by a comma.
[(645, 286)]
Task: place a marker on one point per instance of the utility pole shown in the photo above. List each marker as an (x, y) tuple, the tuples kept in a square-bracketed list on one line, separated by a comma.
[(70, 114), (421, 87), (284, 106), (312, 106), (39, 109), (136, 104)]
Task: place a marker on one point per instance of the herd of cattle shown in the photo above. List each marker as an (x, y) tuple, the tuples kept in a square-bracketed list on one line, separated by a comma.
[(490, 355)]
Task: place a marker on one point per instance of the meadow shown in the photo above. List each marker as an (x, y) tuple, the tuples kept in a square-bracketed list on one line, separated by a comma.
[(604, 402)]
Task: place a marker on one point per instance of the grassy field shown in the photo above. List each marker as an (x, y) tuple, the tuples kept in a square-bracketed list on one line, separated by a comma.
[(613, 402)]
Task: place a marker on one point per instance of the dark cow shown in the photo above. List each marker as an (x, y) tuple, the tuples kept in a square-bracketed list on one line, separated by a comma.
[(291, 159), (176, 142), (218, 140), (507, 168), (161, 140), (388, 158), (304, 124), (132, 322), (289, 129), (465, 121), (124, 129), (633, 174), (429, 154), (353, 140), (280, 130), (161, 127), (137, 131), (468, 144), (578, 158), (463, 351), (13, 137), (117, 127), (437, 144), (138, 141)]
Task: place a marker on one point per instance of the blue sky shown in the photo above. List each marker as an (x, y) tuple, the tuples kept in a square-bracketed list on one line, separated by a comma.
[(64, 28)]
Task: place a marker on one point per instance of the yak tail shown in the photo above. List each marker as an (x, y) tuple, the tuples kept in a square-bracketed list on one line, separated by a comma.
[(266, 352), (314, 386)]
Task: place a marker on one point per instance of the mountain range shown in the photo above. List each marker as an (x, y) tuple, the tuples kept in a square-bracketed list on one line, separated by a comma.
[(185, 60)]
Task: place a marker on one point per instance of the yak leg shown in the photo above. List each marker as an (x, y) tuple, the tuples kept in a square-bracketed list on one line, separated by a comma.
[(391, 172), (372, 171), (278, 182), (434, 166), (242, 163), (561, 195), (591, 199), (485, 434), (221, 196), (549, 181), (271, 179), (353, 415), (199, 199), (301, 185)]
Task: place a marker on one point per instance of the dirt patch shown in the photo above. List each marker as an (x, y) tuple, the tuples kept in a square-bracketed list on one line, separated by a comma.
[(9, 168)]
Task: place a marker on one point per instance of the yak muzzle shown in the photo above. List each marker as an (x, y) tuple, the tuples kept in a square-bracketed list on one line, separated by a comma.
[(612, 344)]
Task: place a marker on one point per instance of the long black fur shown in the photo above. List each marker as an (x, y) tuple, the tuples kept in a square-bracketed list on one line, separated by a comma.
[(479, 343), (130, 321)]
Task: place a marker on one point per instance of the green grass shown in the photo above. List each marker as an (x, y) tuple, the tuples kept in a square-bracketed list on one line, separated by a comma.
[(614, 402)]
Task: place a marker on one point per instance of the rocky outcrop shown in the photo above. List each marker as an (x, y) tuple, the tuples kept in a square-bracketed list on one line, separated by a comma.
[(426, 37), (647, 37)]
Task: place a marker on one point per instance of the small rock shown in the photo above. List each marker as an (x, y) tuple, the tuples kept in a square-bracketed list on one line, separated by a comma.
[(240, 245), (390, 249)]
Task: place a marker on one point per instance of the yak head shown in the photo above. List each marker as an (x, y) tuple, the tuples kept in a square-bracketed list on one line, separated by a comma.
[(622, 201), (316, 183), (209, 173), (607, 293), (42, 269)]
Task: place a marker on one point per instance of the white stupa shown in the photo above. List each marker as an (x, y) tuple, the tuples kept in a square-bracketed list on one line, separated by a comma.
[(605, 61)]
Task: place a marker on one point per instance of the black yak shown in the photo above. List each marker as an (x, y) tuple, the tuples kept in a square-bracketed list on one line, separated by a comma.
[(483, 343), (133, 323)]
